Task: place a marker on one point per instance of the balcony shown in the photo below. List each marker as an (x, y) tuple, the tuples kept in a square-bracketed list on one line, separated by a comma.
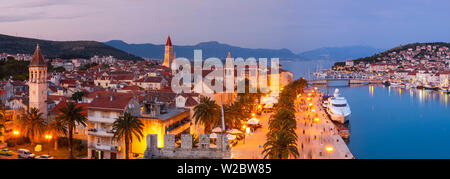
[(104, 147), (101, 119), (101, 132)]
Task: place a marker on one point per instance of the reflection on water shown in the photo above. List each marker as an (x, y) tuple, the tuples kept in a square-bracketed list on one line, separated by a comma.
[(386, 123)]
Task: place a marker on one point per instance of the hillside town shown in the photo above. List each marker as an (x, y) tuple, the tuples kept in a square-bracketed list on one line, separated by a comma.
[(106, 89), (423, 66)]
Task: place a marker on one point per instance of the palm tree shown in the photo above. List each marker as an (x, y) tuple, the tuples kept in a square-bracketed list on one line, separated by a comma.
[(2, 119), (57, 128), (207, 113), (71, 116), (283, 119), (32, 124), (2, 128), (233, 115), (125, 128), (281, 144)]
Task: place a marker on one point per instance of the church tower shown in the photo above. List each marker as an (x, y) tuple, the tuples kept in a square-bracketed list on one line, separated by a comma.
[(38, 82), (168, 54)]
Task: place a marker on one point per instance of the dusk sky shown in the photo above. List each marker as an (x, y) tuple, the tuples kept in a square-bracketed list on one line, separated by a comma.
[(297, 25)]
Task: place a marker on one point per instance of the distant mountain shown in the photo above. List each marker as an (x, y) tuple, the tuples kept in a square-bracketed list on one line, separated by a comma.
[(339, 53), (209, 49), (61, 49)]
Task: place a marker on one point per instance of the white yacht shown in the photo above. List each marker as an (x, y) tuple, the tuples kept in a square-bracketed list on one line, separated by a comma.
[(338, 108)]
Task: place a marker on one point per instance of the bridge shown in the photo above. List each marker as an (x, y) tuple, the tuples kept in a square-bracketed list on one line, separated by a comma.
[(348, 80)]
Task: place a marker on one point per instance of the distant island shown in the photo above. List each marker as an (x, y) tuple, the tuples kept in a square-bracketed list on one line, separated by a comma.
[(61, 49), (395, 55)]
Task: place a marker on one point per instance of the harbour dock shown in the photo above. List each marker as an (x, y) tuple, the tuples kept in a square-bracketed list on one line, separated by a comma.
[(318, 137)]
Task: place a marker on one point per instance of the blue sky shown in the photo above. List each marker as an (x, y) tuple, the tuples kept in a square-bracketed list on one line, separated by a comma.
[(298, 25)]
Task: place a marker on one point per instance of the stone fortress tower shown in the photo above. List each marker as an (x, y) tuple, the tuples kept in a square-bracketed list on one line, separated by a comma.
[(38, 83), (168, 53)]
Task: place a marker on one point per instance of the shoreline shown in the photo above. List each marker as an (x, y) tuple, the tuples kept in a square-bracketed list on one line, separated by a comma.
[(319, 139)]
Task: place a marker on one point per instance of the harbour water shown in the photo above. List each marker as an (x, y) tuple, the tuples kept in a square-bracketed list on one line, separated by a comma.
[(394, 123)]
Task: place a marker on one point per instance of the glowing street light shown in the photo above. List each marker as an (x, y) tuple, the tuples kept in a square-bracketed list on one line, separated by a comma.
[(253, 114), (329, 150), (313, 110), (15, 133), (48, 137), (316, 119)]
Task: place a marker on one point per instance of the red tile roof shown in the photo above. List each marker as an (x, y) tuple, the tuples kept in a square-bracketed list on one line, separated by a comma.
[(132, 88), (64, 103), (118, 102)]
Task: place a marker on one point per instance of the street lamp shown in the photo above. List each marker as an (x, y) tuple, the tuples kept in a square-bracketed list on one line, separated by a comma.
[(316, 119), (329, 150), (15, 133), (48, 137)]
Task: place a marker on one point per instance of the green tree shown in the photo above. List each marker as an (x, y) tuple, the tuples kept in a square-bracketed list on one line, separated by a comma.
[(281, 144), (283, 119), (282, 140), (207, 113), (32, 124), (126, 127), (2, 119), (233, 115), (57, 128), (78, 96), (71, 116)]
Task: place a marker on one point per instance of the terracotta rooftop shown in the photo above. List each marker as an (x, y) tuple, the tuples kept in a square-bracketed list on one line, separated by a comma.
[(63, 103), (111, 101), (38, 59)]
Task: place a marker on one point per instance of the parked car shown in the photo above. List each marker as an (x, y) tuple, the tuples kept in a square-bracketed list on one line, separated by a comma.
[(5, 151), (44, 157), (24, 153)]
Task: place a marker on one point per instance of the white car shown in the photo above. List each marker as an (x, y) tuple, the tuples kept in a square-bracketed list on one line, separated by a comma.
[(25, 153), (44, 157)]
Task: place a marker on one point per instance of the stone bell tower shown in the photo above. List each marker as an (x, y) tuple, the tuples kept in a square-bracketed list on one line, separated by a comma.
[(168, 53), (38, 83)]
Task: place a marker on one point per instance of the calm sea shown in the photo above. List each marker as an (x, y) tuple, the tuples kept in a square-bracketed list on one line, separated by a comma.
[(392, 122)]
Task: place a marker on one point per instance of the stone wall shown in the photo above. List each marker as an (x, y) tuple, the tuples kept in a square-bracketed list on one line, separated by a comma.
[(186, 151)]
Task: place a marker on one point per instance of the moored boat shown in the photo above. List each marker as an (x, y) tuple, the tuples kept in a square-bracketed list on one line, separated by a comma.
[(429, 87), (338, 108)]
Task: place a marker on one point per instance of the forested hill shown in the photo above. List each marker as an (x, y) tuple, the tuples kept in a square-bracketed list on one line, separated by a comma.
[(61, 49), (376, 57)]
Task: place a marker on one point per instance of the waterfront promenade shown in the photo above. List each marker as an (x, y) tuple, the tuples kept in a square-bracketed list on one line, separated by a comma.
[(313, 138), (252, 147), (318, 139)]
